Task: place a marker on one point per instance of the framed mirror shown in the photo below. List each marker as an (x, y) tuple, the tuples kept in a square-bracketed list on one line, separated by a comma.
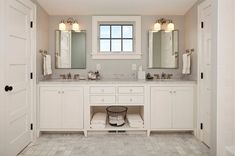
[(163, 49), (70, 50)]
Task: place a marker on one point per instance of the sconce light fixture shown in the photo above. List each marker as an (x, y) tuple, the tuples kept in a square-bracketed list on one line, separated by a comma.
[(164, 24), (70, 21)]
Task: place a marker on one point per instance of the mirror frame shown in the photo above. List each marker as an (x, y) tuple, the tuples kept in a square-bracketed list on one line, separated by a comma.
[(150, 48), (85, 51)]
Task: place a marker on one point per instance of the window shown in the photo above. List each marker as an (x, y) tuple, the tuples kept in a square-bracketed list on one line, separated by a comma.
[(116, 37)]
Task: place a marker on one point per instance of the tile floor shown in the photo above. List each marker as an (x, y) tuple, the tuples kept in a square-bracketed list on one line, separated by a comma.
[(180, 144)]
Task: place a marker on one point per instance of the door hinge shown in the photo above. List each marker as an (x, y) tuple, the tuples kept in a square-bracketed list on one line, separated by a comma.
[(201, 126), (31, 24), (202, 25), (31, 75), (31, 126), (202, 75)]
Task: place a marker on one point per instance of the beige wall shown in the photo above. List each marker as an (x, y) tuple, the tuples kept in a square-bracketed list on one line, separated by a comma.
[(191, 37), (42, 36), (112, 67)]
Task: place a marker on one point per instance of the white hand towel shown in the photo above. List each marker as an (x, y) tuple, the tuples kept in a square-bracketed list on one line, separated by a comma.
[(44, 66), (188, 71), (134, 118), (186, 64), (136, 125), (99, 118), (98, 126), (47, 65)]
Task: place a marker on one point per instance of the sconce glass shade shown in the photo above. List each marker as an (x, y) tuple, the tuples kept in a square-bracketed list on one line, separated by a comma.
[(62, 26), (157, 27), (170, 27), (76, 27)]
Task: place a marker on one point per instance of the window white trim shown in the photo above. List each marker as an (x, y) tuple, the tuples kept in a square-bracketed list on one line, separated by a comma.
[(136, 54)]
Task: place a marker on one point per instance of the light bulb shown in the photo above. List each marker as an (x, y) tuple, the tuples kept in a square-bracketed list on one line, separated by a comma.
[(170, 27), (157, 27), (62, 26), (76, 27)]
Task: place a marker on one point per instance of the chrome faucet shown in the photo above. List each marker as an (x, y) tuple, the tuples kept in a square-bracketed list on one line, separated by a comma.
[(66, 76), (163, 75)]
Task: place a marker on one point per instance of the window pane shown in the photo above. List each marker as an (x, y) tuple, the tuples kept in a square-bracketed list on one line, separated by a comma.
[(104, 31), (127, 45), (104, 45), (116, 31), (116, 45), (127, 32)]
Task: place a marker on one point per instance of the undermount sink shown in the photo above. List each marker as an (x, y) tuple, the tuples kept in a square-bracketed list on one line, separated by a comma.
[(63, 80), (165, 80)]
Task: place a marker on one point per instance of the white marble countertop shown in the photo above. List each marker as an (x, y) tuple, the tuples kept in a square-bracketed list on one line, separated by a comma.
[(116, 81)]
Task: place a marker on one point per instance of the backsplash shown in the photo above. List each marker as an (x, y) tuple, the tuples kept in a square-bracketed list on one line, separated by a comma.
[(115, 68)]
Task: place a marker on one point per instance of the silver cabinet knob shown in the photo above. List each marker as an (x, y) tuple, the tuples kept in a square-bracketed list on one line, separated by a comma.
[(60, 92)]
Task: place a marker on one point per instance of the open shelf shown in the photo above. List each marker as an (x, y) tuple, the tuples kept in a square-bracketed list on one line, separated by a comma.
[(126, 127)]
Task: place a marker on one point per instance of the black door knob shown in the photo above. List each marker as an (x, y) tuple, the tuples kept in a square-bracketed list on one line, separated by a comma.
[(8, 88)]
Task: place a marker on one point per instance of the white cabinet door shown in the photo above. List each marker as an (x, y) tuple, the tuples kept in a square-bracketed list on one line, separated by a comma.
[(72, 107), (50, 107), (182, 108), (161, 108)]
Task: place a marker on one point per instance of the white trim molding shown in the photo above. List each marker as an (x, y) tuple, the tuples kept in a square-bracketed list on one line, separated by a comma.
[(136, 54)]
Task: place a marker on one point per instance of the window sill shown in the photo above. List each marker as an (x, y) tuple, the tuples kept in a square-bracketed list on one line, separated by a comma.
[(118, 56)]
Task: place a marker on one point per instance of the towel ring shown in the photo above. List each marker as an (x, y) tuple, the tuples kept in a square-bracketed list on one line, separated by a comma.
[(43, 52), (189, 51)]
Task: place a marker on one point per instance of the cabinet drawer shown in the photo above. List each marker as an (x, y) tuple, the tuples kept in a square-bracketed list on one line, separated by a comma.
[(102, 99), (102, 90), (130, 99), (130, 90)]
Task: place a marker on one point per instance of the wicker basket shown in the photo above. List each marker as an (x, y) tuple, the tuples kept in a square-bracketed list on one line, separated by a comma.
[(117, 115)]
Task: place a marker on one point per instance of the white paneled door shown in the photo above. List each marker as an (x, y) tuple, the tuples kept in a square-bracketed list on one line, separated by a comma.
[(18, 68), (205, 93)]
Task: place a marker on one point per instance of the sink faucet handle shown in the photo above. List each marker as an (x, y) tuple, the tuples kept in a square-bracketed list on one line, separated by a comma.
[(169, 76), (76, 76), (157, 76), (63, 76)]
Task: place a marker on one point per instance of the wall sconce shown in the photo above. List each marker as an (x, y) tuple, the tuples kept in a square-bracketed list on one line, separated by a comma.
[(164, 24), (72, 22)]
